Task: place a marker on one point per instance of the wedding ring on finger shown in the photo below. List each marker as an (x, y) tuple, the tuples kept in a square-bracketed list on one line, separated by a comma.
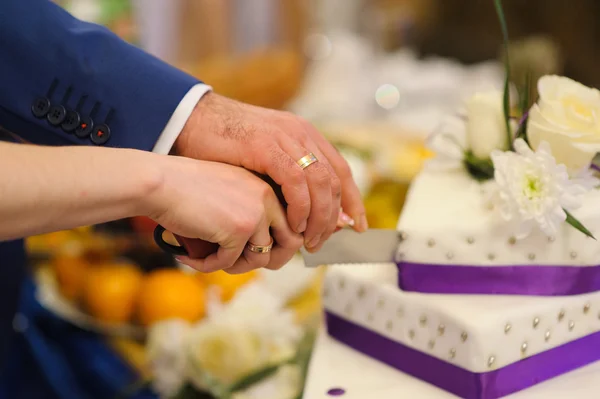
[(260, 249), (307, 160)]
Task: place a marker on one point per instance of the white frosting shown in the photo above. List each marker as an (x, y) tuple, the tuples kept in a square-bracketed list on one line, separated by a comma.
[(334, 364), (367, 295), (447, 221)]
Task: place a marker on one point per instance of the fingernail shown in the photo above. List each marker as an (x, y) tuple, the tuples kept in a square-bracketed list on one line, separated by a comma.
[(314, 242), (301, 227), (345, 220)]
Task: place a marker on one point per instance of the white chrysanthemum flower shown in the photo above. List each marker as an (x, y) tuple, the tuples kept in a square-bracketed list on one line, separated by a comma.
[(251, 332), (166, 356), (533, 190)]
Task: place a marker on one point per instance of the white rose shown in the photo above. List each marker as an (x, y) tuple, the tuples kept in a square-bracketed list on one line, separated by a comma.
[(251, 332), (166, 356), (566, 116), (486, 129), (224, 353)]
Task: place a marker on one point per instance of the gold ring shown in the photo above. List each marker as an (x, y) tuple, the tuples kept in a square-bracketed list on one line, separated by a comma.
[(307, 160), (260, 249)]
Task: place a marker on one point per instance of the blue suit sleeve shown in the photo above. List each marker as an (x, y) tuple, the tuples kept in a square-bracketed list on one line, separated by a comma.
[(64, 81)]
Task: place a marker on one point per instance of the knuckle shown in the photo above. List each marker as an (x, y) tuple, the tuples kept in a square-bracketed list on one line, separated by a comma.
[(256, 262), (265, 192), (263, 262), (245, 225), (303, 203), (299, 210), (269, 156), (297, 243), (296, 175), (336, 186), (322, 177), (293, 243), (323, 208)]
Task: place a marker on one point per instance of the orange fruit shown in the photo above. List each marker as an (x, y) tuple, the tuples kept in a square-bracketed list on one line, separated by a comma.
[(227, 283), (170, 294), (111, 292), (70, 273)]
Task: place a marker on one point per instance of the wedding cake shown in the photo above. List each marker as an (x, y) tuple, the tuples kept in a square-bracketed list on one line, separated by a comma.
[(495, 285)]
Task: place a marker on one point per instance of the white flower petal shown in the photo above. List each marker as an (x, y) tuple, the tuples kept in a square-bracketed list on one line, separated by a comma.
[(532, 189), (250, 332), (165, 351), (567, 116), (486, 129)]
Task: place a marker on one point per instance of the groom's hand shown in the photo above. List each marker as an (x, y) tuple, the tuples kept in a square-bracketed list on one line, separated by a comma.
[(271, 142)]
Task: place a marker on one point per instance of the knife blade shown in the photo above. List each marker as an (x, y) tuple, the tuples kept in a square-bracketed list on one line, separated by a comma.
[(348, 246)]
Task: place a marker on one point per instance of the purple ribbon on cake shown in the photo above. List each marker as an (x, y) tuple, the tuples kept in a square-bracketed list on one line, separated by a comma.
[(498, 280), (467, 384)]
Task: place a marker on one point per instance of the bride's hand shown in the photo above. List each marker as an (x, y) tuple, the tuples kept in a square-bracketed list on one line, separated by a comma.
[(224, 205)]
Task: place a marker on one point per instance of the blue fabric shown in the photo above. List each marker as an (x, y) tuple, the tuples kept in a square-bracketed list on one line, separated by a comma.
[(12, 272), (41, 43), (51, 359)]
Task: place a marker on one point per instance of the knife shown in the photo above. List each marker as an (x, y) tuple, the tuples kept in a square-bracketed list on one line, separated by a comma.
[(348, 246), (343, 247)]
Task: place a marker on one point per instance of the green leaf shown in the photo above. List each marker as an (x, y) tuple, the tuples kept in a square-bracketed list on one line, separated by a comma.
[(525, 91), (578, 225), (253, 378), (524, 108), (506, 97), (304, 355), (479, 169)]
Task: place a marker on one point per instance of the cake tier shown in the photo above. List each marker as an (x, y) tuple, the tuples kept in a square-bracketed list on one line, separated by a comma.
[(337, 368), (474, 346), (454, 242)]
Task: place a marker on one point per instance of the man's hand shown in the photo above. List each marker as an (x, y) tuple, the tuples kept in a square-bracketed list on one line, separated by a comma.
[(271, 142)]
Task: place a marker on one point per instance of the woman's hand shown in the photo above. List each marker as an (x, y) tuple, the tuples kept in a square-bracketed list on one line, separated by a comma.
[(225, 205), (217, 203)]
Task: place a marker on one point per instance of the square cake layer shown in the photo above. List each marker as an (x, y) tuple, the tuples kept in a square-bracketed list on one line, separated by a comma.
[(455, 242), (447, 220), (476, 335)]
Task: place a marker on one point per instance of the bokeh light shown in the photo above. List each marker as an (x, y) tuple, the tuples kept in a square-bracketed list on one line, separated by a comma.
[(387, 96)]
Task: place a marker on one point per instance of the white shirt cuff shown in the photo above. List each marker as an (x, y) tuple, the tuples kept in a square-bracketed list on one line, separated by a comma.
[(179, 118)]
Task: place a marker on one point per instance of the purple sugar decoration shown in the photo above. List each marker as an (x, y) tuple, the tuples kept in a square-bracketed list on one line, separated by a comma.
[(336, 392)]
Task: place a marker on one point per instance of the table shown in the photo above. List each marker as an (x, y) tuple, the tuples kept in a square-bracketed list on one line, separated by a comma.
[(335, 365)]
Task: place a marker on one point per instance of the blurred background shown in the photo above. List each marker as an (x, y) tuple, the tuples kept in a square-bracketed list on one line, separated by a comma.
[(375, 76)]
